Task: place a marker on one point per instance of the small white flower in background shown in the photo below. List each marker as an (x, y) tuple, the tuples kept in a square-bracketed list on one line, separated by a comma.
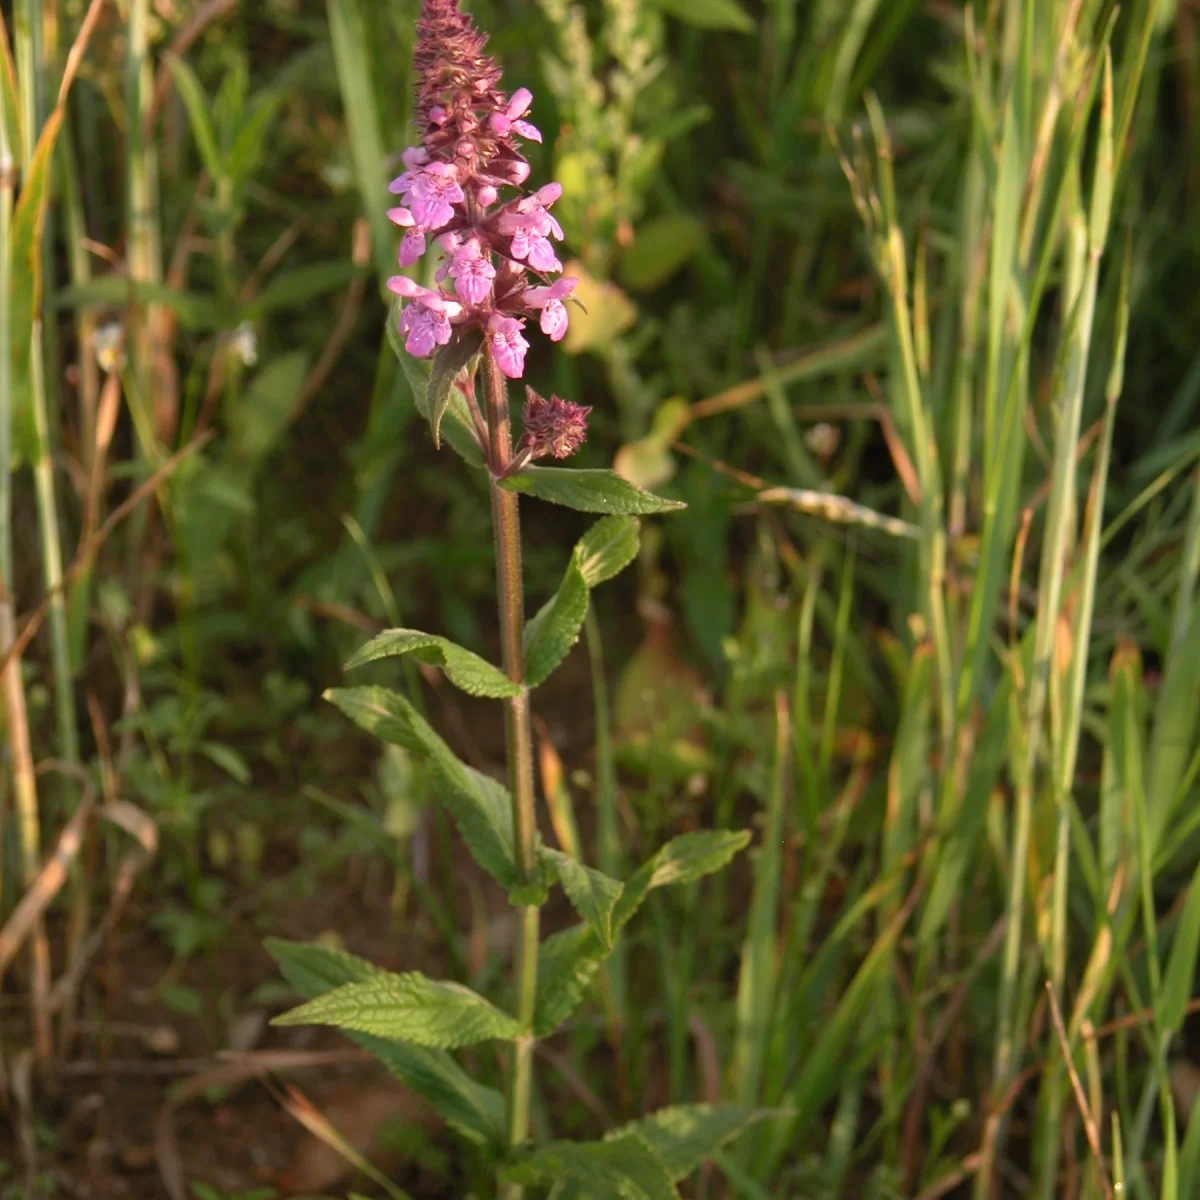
[(108, 345), (823, 440), (244, 343)]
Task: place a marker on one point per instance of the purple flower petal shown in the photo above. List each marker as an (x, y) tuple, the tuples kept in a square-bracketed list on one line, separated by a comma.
[(400, 216), (541, 255), (554, 320), (532, 132), (508, 346), (412, 246)]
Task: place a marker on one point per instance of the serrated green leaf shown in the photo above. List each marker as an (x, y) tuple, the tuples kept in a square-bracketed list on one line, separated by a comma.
[(708, 14), (480, 806), (465, 670), (456, 420), (567, 964), (692, 855), (684, 1136), (622, 1167), (477, 1112), (198, 108), (568, 961), (408, 1008), (660, 247), (448, 361), (588, 490), (25, 288), (593, 894), (605, 550)]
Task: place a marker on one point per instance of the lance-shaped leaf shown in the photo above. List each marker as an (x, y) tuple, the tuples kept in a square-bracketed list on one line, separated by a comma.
[(568, 961), (456, 418), (593, 893), (624, 1167), (448, 361), (604, 551), (10, 103), (587, 490), (408, 1008), (477, 1112), (465, 670), (684, 1136), (481, 807)]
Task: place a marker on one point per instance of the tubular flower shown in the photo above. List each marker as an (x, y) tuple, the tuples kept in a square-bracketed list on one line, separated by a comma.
[(456, 190)]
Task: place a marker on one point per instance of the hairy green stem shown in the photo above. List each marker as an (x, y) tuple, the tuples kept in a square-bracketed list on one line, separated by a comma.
[(506, 532)]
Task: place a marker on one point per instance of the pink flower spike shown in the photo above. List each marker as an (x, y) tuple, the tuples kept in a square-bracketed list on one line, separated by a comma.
[(554, 320), (412, 246), (400, 216), (508, 346)]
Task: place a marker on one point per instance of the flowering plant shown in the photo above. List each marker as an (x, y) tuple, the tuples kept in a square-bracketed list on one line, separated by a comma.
[(462, 189)]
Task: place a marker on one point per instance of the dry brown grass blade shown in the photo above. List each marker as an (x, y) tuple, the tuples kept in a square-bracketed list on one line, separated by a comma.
[(144, 831), (232, 1069), (45, 887)]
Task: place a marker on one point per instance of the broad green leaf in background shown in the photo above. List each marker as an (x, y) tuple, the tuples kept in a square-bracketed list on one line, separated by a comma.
[(475, 1111), (603, 313), (660, 248), (623, 1167), (708, 14), (588, 490), (480, 806), (684, 1136), (408, 1008), (604, 551), (448, 361), (593, 893), (192, 310), (199, 109), (465, 670), (648, 462), (300, 286), (260, 417)]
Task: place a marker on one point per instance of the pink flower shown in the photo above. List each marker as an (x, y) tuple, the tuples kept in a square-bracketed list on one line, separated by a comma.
[(508, 346), (433, 193), (554, 320), (472, 273), (502, 122), (400, 216), (401, 285), (560, 289), (412, 246), (424, 328)]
